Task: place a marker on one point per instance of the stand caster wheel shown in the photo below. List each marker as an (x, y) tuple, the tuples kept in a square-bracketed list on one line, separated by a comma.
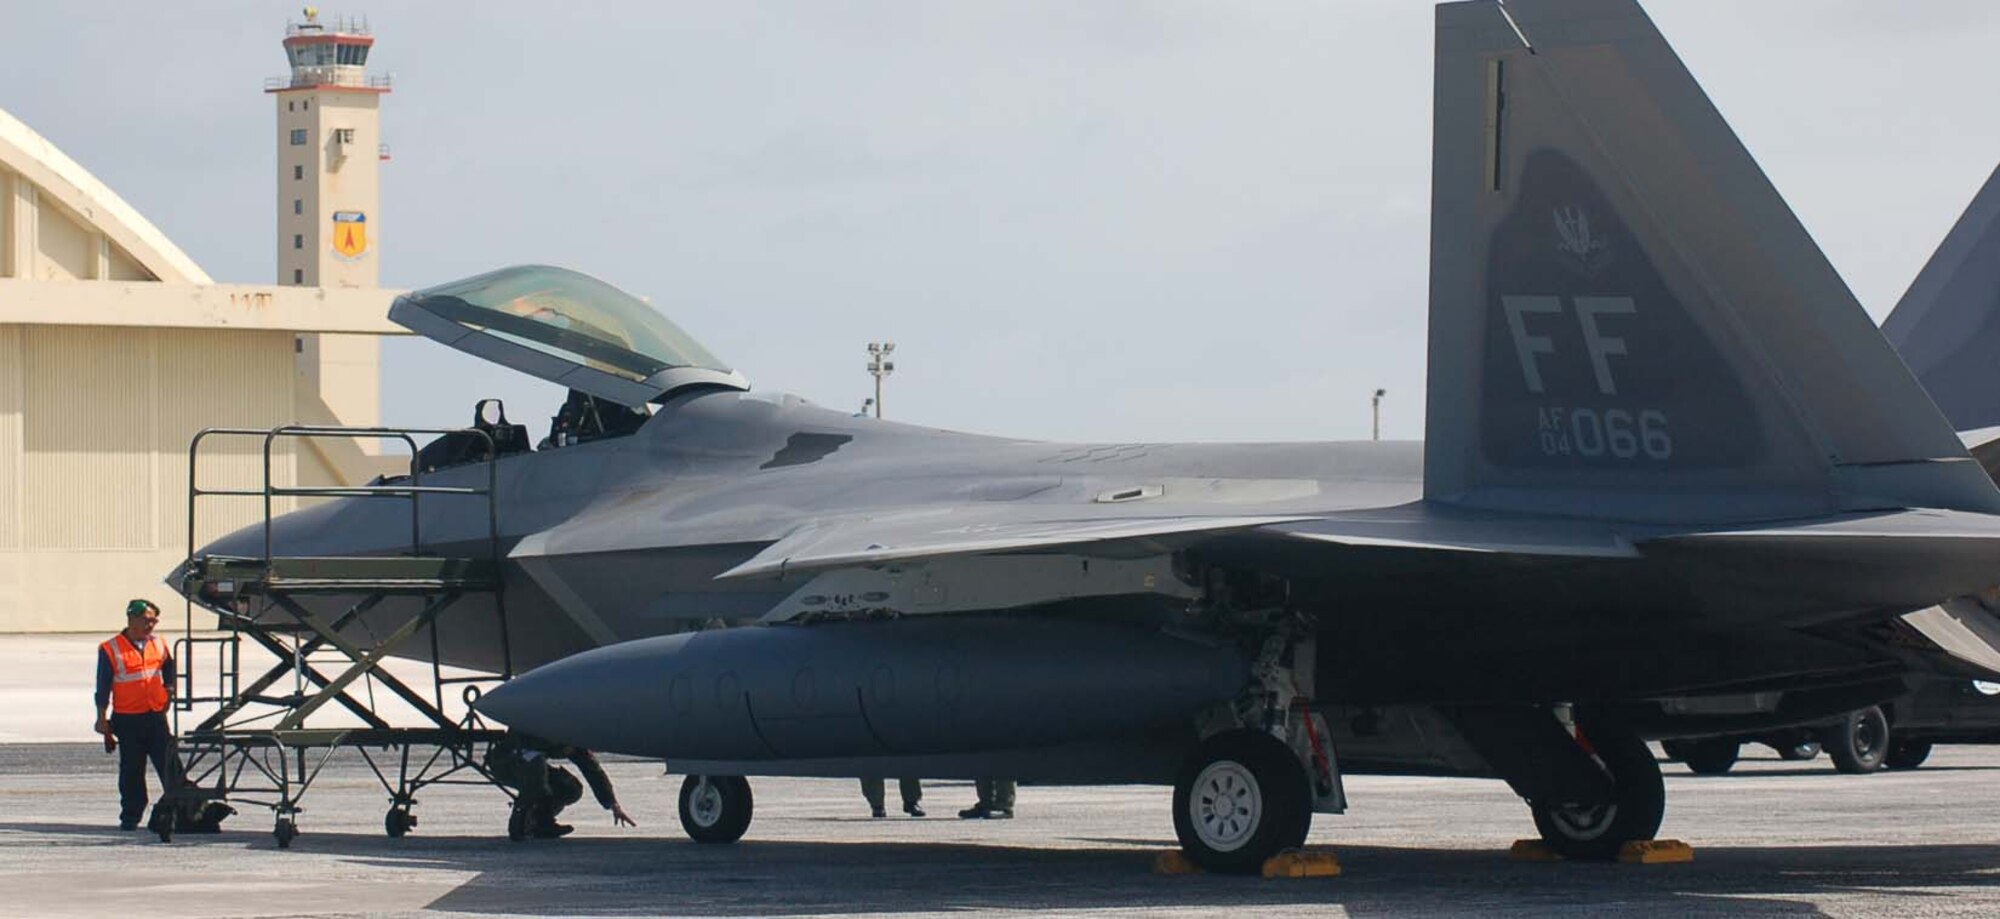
[(397, 822), (285, 831)]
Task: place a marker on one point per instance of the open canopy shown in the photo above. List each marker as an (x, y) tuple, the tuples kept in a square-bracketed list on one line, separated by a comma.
[(567, 328)]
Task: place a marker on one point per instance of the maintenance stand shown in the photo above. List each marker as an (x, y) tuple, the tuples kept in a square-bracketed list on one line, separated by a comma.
[(262, 745)]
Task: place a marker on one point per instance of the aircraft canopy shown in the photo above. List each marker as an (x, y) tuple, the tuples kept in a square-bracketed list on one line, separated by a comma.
[(567, 328)]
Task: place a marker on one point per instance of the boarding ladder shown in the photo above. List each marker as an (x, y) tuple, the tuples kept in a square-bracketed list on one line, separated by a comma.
[(329, 623)]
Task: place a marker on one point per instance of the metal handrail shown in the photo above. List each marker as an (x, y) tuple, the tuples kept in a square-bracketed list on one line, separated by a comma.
[(413, 492)]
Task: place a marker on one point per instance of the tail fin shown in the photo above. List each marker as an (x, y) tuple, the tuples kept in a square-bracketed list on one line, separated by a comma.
[(1627, 322), (1947, 326)]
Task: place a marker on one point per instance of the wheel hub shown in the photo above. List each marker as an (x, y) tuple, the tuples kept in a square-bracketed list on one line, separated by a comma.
[(1584, 822), (1226, 806), (705, 805)]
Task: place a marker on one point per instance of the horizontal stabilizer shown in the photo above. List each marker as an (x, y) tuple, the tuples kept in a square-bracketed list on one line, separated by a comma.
[(1964, 631), (1865, 560), (848, 541)]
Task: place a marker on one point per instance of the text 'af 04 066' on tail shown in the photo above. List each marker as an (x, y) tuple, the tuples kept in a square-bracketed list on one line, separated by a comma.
[(1670, 465)]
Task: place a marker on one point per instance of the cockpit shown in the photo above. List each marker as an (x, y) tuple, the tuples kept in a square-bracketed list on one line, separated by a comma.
[(613, 351)]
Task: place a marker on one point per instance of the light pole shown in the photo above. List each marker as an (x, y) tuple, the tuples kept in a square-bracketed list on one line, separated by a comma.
[(880, 366), (1375, 406)]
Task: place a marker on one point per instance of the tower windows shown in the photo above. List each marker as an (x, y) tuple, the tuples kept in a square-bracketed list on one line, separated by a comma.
[(298, 241), (298, 206), (298, 276), (292, 106), (298, 172), (298, 137)]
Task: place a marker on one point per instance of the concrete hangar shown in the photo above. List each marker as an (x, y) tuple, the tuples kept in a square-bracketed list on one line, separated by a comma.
[(116, 347)]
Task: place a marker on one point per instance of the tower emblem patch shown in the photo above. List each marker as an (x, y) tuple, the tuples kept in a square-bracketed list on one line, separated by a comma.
[(350, 234)]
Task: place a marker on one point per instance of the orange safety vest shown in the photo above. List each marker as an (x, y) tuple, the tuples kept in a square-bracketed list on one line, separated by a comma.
[(136, 685)]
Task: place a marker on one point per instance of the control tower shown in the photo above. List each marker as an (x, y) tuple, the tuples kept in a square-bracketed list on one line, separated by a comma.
[(329, 155)]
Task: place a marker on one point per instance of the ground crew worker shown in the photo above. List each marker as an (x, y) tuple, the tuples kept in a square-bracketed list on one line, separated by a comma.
[(135, 677), (912, 789), (996, 800), (543, 788)]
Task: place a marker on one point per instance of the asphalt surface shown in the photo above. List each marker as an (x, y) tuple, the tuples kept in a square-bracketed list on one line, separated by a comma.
[(1773, 839)]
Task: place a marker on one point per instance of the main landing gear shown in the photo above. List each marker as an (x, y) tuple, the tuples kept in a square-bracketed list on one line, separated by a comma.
[(715, 808), (1590, 782), (1595, 826)]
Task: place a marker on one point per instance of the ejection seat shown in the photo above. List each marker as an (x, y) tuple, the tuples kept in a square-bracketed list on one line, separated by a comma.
[(462, 447)]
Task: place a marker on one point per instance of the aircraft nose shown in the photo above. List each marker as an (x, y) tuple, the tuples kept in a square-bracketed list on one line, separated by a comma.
[(603, 699)]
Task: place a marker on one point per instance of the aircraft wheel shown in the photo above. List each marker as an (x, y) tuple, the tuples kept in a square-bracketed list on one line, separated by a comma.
[(1595, 832), (1907, 754), (1241, 798), (715, 808), (1859, 743), (1712, 756), (398, 822)]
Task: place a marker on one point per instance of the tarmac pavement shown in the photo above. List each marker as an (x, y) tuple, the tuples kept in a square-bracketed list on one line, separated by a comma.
[(1775, 838)]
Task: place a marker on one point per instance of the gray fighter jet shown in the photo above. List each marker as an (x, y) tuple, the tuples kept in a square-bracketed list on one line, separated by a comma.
[(1674, 481)]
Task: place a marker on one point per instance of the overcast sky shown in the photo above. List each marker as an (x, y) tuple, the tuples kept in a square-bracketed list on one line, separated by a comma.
[(1077, 220)]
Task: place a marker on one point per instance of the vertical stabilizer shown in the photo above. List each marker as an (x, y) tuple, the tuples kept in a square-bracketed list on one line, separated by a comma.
[(1947, 326), (1627, 322)]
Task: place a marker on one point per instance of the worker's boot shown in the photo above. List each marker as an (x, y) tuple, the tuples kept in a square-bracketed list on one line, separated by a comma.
[(976, 812), (517, 822), (546, 827)]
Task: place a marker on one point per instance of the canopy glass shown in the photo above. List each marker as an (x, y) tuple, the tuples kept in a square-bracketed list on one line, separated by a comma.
[(565, 327)]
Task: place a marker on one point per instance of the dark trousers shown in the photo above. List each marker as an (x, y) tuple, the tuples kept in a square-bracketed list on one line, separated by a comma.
[(996, 794), (140, 738), (912, 789), (546, 789)]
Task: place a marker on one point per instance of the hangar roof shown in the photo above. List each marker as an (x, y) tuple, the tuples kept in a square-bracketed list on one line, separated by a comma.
[(62, 179)]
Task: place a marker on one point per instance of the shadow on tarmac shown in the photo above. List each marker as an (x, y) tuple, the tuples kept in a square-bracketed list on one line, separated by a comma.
[(650, 876)]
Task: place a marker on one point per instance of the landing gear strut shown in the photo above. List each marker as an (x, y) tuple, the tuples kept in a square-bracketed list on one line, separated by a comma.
[(715, 808)]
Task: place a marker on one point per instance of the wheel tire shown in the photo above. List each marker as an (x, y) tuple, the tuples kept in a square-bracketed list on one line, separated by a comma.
[(285, 831), (1597, 832), (1677, 750), (1802, 752), (1241, 797), (1860, 741), (1712, 756), (397, 822), (718, 811), (1907, 754)]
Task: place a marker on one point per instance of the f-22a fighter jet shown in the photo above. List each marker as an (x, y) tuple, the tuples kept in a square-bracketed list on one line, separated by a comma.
[(1674, 481)]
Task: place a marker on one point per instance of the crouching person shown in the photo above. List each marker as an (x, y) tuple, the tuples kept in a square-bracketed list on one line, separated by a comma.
[(542, 788)]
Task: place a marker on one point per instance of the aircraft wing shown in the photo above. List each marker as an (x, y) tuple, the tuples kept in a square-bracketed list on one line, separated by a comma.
[(842, 542)]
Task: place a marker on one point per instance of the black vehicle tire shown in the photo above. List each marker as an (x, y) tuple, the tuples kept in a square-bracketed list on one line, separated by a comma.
[(398, 822), (285, 830), (1598, 832), (1802, 752), (1859, 742), (1907, 754), (1677, 750), (715, 808), (1241, 797), (1712, 756)]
